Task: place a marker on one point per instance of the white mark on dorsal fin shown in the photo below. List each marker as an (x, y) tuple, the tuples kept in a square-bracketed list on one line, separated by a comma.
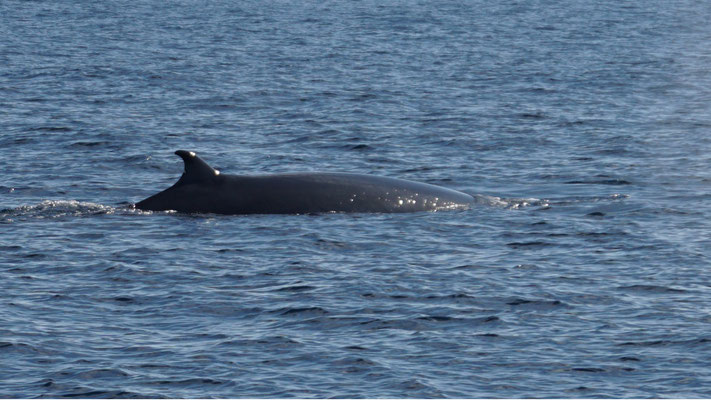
[(196, 170)]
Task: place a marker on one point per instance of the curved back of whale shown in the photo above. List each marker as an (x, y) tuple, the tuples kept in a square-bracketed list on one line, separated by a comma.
[(202, 189)]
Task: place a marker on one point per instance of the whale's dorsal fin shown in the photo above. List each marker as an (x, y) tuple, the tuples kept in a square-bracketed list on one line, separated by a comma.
[(196, 170)]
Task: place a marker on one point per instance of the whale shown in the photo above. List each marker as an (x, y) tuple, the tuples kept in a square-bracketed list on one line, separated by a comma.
[(203, 189)]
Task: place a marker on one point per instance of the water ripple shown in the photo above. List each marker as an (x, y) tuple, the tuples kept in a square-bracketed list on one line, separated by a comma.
[(580, 129)]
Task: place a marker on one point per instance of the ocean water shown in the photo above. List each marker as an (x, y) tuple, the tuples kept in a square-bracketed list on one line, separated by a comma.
[(583, 129)]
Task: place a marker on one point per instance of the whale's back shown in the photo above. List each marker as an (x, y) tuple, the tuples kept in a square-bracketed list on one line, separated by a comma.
[(341, 192), (201, 189)]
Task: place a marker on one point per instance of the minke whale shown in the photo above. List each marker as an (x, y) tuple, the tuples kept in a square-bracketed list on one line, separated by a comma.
[(202, 189)]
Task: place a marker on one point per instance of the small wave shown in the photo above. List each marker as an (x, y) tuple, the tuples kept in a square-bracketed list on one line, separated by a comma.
[(652, 289), (295, 288), (512, 203), (189, 382), (536, 304), (612, 181), (53, 129), (515, 203), (528, 245), (438, 318), (703, 341), (583, 200), (55, 209), (85, 143), (278, 341), (85, 392), (302, 311), (18, 347), (101, 373), (358, 147)]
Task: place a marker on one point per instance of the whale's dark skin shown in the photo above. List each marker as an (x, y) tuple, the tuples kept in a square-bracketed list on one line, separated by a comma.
[(202, 189)]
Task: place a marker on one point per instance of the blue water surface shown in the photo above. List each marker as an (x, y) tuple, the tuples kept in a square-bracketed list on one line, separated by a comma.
[(582, 128)]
